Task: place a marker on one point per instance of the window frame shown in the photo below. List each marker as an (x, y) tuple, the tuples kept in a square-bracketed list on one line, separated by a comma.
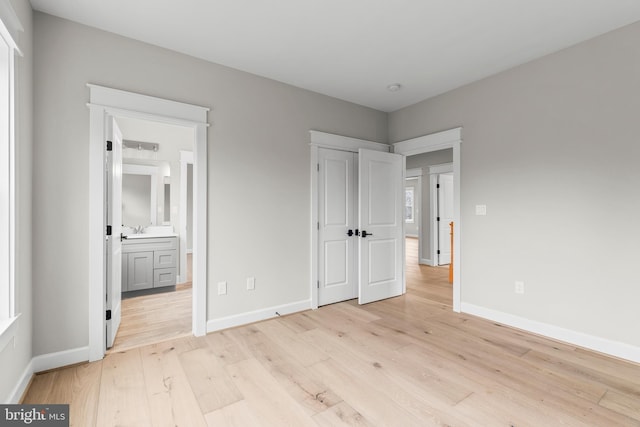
[(411, 189), (8, 309)]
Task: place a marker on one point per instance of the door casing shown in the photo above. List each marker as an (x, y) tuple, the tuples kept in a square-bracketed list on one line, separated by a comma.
[(105, 101), (451, 138)]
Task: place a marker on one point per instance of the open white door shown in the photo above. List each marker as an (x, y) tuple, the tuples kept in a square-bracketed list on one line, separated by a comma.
[(337, 205), (113, 180), (445, 216), (381, 241)]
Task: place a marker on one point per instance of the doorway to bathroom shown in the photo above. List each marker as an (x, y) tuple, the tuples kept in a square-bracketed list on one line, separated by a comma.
[(104, 243), (157, 220)]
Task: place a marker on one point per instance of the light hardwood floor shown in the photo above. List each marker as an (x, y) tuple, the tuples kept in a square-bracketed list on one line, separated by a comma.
[(406, 361), (153, 318)]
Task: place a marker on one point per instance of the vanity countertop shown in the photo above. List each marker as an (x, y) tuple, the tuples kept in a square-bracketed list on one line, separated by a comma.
[(149, 235)]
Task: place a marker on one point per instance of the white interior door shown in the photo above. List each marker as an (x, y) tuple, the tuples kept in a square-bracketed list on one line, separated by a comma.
[(381, 219), (113, 180), (445, 213), (337, 204)]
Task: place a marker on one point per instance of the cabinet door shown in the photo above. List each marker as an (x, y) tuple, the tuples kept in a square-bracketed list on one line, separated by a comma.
[(164, 277), (125, 272), (140, 271)]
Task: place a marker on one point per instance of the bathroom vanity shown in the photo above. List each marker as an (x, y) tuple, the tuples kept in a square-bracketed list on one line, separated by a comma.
[(149, 262)]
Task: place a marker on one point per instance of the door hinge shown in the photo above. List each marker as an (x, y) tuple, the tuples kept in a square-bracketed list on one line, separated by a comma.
[(108, 230), (318, 167), (318, 225), (108, 316), (437, 185), (318, 285), (438, 251), (109, 146), (438, 219)]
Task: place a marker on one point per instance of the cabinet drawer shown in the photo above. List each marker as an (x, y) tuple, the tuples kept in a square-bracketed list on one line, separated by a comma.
[(164, 259), (149, 244), (164, 277)]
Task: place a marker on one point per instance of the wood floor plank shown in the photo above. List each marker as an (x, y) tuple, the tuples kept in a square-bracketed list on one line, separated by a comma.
[(170, 397), (622, 403), (211, 383), (272, 405), (123, 394), (238, 414), (341, 415), (405, 361)]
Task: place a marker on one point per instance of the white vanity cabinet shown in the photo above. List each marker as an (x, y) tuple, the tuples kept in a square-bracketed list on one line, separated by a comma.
[(149, 262)]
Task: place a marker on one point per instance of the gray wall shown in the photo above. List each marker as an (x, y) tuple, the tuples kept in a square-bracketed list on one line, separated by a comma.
[(259, 136), (15, 358), (551, 147), (423, 161)]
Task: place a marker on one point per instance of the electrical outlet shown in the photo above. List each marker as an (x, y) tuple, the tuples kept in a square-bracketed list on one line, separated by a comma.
[(222, 288), (251, 283), (519, 287), (481, 210)]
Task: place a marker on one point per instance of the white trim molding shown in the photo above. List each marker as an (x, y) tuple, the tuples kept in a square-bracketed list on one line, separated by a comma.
[(451, 138), (435, 141), (591, 342), (104, 102), (344, 143), (186, 158), (8, 329), (434, 171), (21, 386), (59, 359), (257, 315)]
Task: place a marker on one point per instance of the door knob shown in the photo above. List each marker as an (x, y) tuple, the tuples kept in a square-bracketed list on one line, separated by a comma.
[(365, 234), (350, 233), (123, 237)]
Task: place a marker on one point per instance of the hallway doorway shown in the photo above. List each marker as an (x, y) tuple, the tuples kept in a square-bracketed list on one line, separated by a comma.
[(431, 283)]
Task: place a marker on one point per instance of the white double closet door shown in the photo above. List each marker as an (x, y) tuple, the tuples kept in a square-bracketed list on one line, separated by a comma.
[(360, 227)]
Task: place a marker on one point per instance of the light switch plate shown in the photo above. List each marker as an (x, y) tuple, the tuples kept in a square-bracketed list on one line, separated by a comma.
[(251, 283), (481, 209)]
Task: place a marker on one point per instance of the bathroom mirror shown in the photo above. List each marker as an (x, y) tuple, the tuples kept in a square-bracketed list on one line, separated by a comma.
[(139, 195)]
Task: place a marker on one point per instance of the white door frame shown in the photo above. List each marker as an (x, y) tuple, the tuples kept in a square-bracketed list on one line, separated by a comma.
[(434, 171), (186, 158), (451, 138), (417, 173), (104, 101), (334, 142)]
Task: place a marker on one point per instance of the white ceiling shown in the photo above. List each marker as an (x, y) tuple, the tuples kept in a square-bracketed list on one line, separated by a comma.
[(353, 49)]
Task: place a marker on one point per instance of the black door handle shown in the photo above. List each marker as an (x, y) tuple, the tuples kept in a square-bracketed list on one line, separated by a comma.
[(365, 234), (123, 237), (350, 233)]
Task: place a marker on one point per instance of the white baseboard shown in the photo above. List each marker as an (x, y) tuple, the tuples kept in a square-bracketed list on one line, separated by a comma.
[(425, 261), (257, 315), (602, 345), (21, 386), (48, 361)]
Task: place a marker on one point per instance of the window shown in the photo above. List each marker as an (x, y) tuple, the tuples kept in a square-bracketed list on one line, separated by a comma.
[(409, 210), (8, 49)]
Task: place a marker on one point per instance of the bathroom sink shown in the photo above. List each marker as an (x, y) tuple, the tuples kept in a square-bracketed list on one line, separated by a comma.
[(149, 232), (158, 230)]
